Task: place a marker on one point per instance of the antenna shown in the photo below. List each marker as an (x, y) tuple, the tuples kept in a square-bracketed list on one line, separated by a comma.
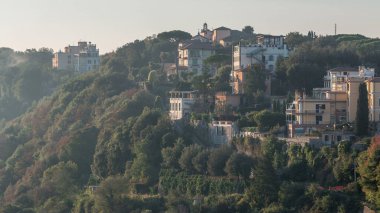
[(335, 29)]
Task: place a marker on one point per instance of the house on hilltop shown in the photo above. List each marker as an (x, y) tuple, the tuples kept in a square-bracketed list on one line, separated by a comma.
[(81, 58), (265, 53), (191, 55)]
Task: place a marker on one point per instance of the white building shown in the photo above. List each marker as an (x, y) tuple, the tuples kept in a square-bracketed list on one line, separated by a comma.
[(266, 53), (181, 103), (222, 132), (81, 58), (191, 55), (337, 78)]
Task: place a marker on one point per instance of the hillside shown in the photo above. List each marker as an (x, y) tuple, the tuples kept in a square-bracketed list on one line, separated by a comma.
[(103, 142)]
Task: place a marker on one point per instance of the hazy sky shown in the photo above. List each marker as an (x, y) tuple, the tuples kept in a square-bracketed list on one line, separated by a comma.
[(112, 23)]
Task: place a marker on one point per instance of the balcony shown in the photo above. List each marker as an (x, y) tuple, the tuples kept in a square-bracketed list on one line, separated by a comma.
[(304, 112)]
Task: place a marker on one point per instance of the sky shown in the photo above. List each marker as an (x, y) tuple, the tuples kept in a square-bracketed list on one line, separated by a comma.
[(112, 23)]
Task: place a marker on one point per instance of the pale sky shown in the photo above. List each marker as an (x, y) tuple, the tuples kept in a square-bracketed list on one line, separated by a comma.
[(113, 23)]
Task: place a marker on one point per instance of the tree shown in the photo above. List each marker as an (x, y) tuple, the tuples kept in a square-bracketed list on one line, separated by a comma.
[(187, 156), (59, 183), (239, 165), (222, 79), (305, 76), (175, 35), (266, 119), (200, 161), (217, 160), (369, 171), (255, 79), (362, 112), (294, 39), (111, 194), (171, 155), (264, 186), (248, 30)]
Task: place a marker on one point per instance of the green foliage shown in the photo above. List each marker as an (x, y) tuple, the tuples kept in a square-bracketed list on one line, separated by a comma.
[(222, 79), (101, 128), (255, 80), (171, 181), (362, 112), (294, 39), (80, 149), (200, 161), (248, 30), (217, 160), (264, 187), (266, 119), (171, 155), (188, 154), (175, 35), (58, 187), (369, 170), (111, 195), (239, 165)]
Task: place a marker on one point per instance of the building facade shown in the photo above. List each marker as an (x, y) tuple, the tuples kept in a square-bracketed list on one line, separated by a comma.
[(81, 58), (191, 55), (373, 89), (336, 103), (181, 103), (222, 132), (265, 53)]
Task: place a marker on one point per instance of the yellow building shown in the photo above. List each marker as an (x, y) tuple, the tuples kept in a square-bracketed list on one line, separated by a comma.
[(306, 114), (336, 103), (373, 88)]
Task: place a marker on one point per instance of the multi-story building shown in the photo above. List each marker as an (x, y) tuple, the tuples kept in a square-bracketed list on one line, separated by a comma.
[(333, 104), (191, 55), (220, 33), (181, 103), (81, 58), (373, 89), (265, 53), (222, 132)]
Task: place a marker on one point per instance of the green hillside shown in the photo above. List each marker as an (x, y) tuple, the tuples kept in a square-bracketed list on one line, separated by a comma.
[(103, 142)]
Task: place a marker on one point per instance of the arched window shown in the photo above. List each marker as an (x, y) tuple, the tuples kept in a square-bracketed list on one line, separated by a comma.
[(271, 58)]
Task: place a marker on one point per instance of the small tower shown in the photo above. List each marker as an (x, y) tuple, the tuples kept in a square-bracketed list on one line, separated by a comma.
[(205, 28)]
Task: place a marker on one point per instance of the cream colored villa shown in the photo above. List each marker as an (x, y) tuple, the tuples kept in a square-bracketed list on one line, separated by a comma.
[(335, 103)]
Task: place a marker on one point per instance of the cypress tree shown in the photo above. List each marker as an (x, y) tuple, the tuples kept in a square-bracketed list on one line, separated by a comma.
[(362, 111)]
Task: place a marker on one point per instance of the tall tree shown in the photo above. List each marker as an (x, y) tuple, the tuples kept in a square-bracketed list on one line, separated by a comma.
[(362, 112), (248, 30)]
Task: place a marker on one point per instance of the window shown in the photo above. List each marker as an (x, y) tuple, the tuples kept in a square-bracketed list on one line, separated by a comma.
[(379, 101), (318, 119), (271, 67), (339, 138), (271, 58), (326, 137), (220, 130)]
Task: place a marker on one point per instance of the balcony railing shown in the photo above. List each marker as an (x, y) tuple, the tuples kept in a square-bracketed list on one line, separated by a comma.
[(295, 112)]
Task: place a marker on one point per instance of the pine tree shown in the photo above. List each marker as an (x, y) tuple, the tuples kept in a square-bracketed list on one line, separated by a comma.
[(362, 112)]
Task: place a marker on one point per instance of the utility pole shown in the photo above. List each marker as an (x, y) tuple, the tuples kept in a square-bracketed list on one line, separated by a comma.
[(335, 29)]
